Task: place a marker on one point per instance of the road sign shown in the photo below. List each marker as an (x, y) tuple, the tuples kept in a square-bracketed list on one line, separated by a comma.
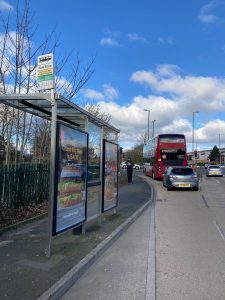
[(45, 72)]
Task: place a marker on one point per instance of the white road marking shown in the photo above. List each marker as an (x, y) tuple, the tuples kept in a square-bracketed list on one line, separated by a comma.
[(150, 281), (219, 229)]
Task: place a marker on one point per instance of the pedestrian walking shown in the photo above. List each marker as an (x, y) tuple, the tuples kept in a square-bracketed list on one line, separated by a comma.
[(129, 170)]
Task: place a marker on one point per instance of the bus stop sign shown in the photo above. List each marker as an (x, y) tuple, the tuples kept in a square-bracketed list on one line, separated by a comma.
[(45, 72)]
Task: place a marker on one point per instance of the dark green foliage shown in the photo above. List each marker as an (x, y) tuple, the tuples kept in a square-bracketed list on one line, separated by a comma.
[(215, 154), (136, 154)]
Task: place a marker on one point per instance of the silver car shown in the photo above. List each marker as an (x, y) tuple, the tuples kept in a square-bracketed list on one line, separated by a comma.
[(180, 177), (214, 170)]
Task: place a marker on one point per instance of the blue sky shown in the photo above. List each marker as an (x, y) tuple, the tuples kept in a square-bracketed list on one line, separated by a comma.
[(166, 56)]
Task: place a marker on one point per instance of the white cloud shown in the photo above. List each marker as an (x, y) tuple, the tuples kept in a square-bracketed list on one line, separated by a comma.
[(5, 6), (166, 41), (206, 16), (110, 33), (134, 37), (171, 100), (210, 133), (167, 70), (109, 41), (132, 121), (93, 95), (111, 38), (110, 92), (144, 77), (192, 92), (9, 43)]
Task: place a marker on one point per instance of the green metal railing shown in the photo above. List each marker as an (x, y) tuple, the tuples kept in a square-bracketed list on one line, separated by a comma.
[(23, 185)]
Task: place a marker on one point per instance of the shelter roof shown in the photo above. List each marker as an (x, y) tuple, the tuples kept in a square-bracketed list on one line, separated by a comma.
[(40, 104)]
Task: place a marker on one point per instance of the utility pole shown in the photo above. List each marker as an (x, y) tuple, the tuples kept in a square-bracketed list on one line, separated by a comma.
[(193, 133), (219, 149), (148, 110), (153, 128)]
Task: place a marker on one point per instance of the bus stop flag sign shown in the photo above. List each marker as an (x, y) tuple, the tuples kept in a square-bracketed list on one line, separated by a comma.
[(45, 72)]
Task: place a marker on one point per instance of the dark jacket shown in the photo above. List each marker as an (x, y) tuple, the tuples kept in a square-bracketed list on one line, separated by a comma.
[(129, 166)]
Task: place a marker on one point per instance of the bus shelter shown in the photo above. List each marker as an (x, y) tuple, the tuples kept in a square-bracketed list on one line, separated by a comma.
[(83, 160)]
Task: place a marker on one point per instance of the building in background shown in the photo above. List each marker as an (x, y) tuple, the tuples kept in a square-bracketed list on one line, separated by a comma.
[(202, 155)]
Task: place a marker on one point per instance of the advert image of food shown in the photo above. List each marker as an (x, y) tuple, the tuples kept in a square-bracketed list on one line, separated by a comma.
[(70, 186)]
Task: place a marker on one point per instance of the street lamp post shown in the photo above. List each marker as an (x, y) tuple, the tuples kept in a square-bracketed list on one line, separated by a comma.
[(148, 110), (193, 133), (219, 147), (153, 128)]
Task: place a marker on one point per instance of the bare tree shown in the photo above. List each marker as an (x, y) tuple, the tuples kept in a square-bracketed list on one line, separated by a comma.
[(18, 62), (97, 111)]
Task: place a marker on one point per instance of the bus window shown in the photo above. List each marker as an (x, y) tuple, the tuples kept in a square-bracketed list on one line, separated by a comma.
[(172, 156)]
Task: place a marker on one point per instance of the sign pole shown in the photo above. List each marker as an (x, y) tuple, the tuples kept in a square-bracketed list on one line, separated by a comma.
[(52, 171), (46, 82)]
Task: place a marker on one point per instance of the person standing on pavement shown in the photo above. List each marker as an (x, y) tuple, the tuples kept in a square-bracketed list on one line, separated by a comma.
[(129, 170)]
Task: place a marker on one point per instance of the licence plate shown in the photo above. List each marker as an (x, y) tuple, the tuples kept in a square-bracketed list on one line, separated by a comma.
[(184, 185)]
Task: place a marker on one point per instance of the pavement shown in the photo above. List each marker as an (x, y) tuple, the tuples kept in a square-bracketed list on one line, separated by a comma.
[(26, 273), (126, 270)]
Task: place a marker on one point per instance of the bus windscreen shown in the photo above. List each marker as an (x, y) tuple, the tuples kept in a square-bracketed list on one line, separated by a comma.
[(172, 156)]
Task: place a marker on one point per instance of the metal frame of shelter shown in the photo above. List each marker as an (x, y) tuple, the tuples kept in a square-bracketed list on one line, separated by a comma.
[(54, 107)]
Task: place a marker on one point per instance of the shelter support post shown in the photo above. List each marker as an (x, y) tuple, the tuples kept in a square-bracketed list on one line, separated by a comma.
[(102, 179), (52, 171)]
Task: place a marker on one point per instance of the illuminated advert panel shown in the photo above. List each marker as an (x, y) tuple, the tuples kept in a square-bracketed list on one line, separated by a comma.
[(110, 175), (71, 178)]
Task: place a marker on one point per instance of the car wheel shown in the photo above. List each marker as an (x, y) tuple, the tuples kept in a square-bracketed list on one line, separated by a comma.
[(136, 168), (195, 188), (169, 188)]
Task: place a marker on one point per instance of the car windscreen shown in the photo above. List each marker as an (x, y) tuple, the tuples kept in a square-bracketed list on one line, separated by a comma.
[(182, 171), (214, 167)]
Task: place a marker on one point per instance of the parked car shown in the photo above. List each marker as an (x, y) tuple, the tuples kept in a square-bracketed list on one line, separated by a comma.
[(214, 170), (180, 177), (136, 166), (123, 165)]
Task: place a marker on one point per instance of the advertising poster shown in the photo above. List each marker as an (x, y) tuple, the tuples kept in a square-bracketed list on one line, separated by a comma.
[(94, 151), (110, 175), (71, 170)]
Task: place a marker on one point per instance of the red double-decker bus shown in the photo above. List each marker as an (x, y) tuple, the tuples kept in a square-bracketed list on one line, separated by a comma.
[(163, 151)]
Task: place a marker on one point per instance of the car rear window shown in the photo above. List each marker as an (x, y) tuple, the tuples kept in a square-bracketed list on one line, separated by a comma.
[(214, 167), (182, 171)]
